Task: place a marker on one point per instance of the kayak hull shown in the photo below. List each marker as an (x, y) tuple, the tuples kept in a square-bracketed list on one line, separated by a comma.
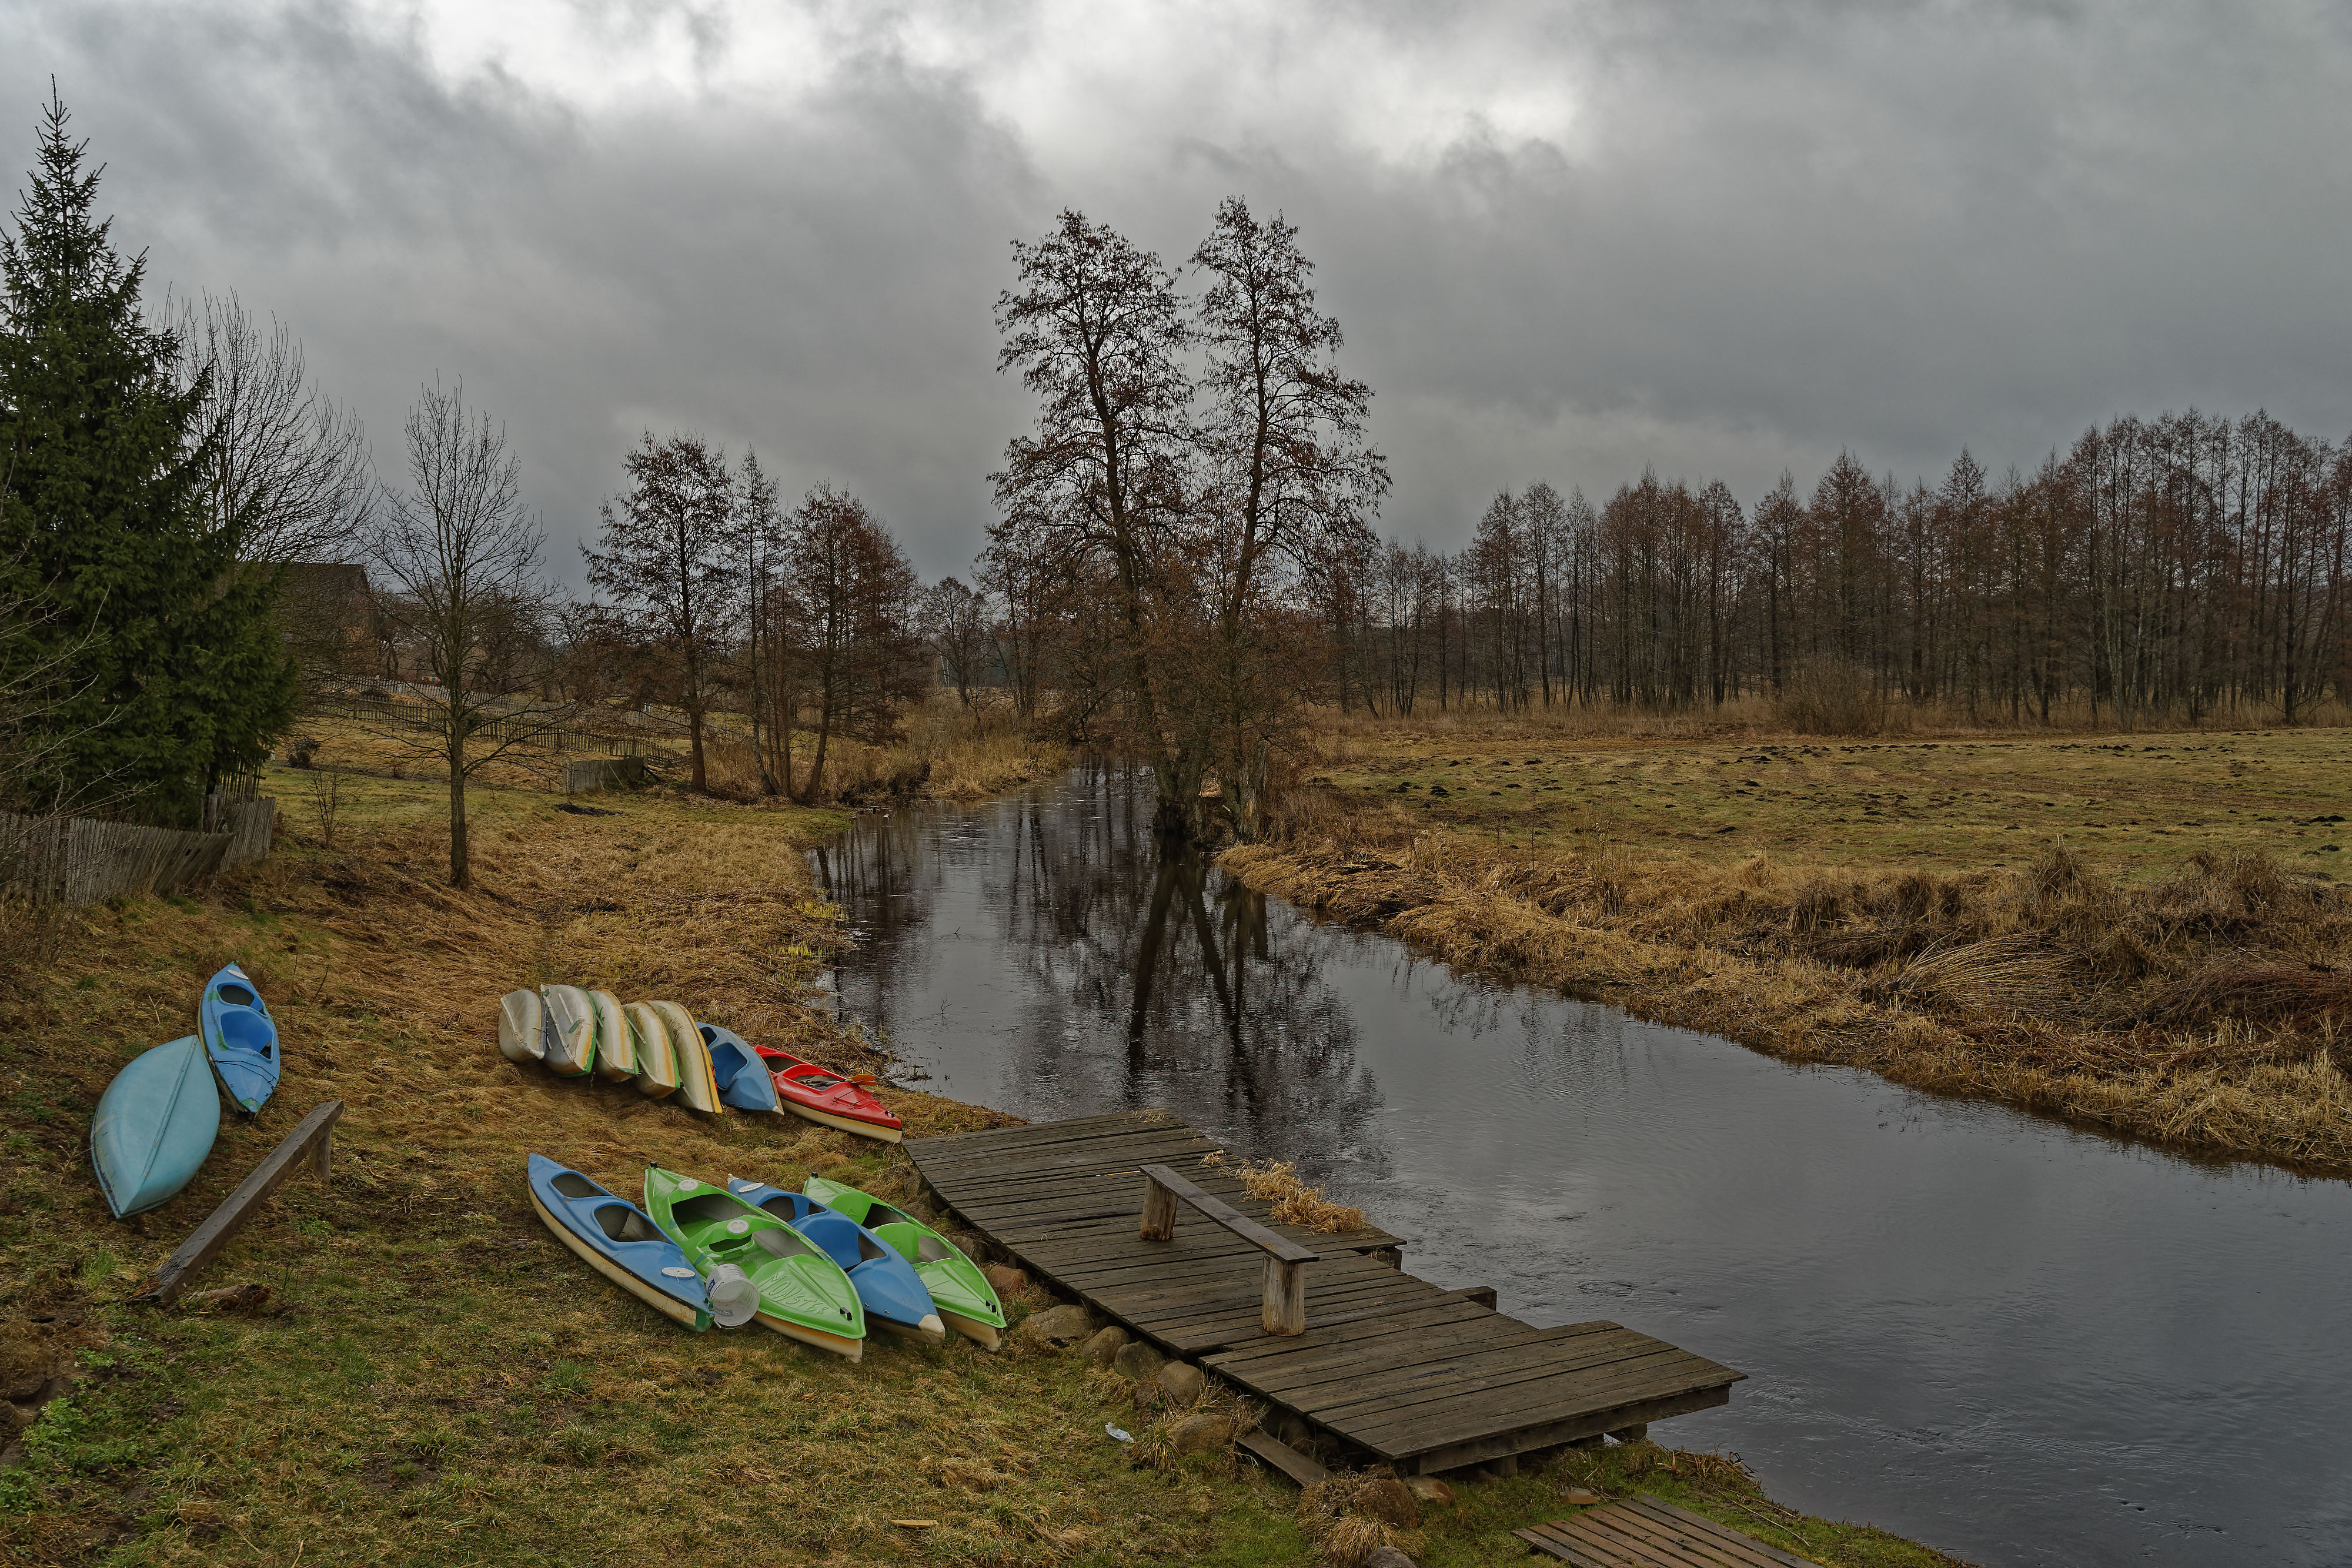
[(657, 1064), (571, 1032), (616, 1055), (803, 1294), (887, 1284), (240, 1037), (154, 1126), (966, 1302), (522, 1023), (633, 1260), (697, 1085), (742, 1082), (828, 1099)]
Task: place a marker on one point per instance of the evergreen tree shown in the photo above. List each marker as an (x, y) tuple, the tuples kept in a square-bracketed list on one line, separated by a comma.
[(174, 671)]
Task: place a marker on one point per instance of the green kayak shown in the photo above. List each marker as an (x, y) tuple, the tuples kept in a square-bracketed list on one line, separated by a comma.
[(957, 1288), (803, 1294)]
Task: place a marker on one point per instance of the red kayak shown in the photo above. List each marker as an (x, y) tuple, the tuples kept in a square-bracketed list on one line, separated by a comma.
[(829, 1099)]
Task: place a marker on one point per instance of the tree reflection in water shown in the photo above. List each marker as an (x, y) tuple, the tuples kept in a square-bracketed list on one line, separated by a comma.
[(1048, 955)]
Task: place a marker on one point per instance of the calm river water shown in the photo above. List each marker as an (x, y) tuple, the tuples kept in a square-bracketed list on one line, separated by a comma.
[(2022, 1343)]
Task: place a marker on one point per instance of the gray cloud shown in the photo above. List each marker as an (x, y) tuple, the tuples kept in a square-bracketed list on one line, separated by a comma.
[(1564, 242)]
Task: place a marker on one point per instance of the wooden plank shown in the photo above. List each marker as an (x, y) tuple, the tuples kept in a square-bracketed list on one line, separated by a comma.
[(1298, 1467), (1421, 1461), (1384, 1344), (207, 1240), (1493, 1372), (1765, 1550), (1571, 1548), (1447, 1417), (1636, 1536), (1216, 1209)]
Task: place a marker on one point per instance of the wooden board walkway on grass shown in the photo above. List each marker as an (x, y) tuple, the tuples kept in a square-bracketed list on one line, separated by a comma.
[(1648, 1533), (1417, 1375)]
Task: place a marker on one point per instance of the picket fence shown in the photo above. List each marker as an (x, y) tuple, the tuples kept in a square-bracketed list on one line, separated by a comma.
[(81, 859)]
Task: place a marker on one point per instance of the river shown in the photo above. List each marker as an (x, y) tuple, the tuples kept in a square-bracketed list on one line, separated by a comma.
[(2019, 1341)]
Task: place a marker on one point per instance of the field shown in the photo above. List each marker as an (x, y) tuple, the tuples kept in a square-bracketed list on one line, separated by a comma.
[(432, 1378), (2140, 932)]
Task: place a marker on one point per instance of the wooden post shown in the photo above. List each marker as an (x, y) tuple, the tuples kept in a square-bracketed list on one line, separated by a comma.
[(1285, 1311), (313, 1133), (1159, 1211)]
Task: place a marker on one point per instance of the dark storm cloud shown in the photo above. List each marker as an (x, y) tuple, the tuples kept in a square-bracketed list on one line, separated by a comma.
[(1565, 242)]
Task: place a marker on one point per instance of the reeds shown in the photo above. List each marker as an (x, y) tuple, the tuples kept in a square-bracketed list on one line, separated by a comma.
[(2206, 1009)]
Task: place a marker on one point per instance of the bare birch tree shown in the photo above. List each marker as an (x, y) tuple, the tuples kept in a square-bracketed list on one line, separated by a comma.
[(461, 551)]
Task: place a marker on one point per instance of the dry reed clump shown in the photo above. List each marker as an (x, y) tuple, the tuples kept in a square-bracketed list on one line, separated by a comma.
[(1353, 1514), (2207, 1010), (943, 757), (1296, 1203)]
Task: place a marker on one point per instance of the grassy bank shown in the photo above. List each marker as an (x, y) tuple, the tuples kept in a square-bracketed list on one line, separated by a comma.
[(433, 1379), (2141, 933)]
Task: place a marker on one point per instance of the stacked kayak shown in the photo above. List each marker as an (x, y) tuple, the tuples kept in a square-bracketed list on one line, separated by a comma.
[(803, 1293), (829, 1099), (618, 1239), (698, 1083), (239, 1036), (966, 1302), (616, 1051), (736, 1068), (887, 1284), (649, 1040), (571, 1032), (154, 1125)]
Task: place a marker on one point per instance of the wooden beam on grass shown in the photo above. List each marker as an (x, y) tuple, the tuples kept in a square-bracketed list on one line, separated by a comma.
[(313, 1136)]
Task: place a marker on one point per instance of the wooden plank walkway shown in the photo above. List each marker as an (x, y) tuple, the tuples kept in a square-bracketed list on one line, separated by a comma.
[(1648, 1533), (1420, 1377)]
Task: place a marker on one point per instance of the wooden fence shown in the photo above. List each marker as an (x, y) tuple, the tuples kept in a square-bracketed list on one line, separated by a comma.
[(81, 859)]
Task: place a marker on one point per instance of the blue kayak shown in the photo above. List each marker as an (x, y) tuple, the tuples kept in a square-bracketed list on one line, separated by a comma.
[(743, 1080), (240, 1037), (888, 1286), (616, 1239), (154, 1125)]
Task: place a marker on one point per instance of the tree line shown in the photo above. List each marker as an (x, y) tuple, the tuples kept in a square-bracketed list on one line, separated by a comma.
[(2158, 570)]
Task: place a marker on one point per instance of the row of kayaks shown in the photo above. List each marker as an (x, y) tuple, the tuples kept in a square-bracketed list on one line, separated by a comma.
[(822, 1266), (577, 1032), (156, 1121)]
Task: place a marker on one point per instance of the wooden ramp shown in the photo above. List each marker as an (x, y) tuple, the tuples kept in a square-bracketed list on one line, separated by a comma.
[(1420, 1377), (1649, 1533)]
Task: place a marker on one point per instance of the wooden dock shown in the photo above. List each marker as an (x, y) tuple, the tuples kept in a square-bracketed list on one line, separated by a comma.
[(1394, 1368)]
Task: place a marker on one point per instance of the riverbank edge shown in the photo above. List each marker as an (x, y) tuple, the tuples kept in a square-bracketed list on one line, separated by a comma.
[(2297, 1116)]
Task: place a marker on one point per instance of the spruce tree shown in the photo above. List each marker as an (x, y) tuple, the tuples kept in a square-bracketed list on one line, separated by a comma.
[(162, 643)]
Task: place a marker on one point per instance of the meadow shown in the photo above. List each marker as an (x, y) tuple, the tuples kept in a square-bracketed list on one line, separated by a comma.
[(2140, 932), (432, 1378)]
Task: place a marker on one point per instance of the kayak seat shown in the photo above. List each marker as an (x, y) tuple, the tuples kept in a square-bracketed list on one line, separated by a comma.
[(571, 1184), (783, 1244), (245, 1029), (622, 1222), (236, 996)]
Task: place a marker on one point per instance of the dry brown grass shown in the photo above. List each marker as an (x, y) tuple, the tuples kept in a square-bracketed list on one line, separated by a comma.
[(2204, 1010), (1296, 1203)]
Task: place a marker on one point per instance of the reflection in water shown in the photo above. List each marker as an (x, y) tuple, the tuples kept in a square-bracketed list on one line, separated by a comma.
[(1098, 937), (2022, 1343)]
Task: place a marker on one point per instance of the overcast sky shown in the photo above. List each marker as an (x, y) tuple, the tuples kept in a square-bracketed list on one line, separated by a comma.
[(1564, 240)]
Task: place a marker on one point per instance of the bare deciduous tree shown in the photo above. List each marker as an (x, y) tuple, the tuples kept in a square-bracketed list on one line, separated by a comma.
[(670, 556), (852, 655), (461, 551), (955, 619)]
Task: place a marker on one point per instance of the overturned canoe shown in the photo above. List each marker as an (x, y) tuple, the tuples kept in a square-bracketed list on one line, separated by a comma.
[(154, 1125), (697, 1084), (571, 1030), (240, 1037), (618, 1240), (803, 1294), (887, 1285), (829, 1099), (649, 1038), (617, 1054), (522, 1027), (959, 1289), (742, 1082)]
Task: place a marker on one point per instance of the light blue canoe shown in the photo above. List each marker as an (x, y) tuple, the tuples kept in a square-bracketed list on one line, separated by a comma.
[(240, 1037), (743, 1080), (618, 1239), (154, 1125)]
